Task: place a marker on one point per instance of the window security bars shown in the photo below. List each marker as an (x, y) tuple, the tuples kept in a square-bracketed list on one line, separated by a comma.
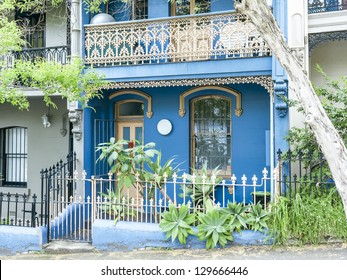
[(13, 156), (203, 37), (19, 210), (321, 6)]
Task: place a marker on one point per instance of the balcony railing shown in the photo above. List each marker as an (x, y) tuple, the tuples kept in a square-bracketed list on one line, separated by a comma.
[(205, 37), (322, 6), (59, 54)]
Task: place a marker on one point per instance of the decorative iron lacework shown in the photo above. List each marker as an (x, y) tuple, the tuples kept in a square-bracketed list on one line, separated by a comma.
[(265, 81), (322, 6), (317, 38), (218, 36)]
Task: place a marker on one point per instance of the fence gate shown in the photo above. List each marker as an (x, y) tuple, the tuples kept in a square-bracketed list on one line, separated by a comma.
[(70, 218), (66, 215)]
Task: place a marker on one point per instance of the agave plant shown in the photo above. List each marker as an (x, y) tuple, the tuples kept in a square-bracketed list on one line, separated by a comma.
[(177, 223), (237, 216), (258, 217), (202, 184), (213, 227)]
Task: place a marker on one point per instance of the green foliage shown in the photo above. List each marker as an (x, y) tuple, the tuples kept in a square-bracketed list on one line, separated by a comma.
[(308, 219), (136, 164), (333, 96), (202, 184), (237, 216), (258, 217), (94, 6), (279, 222), (115, 205), (71, 81), (177, 223), (213, 227)]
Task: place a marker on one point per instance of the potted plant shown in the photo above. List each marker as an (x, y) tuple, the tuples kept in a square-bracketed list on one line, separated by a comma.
[(261, 197)]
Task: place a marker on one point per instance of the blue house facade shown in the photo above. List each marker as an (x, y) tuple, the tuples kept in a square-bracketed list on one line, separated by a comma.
[(196, 78)]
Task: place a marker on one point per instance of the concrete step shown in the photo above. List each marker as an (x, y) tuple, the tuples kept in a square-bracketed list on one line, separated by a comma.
[(67, 247)]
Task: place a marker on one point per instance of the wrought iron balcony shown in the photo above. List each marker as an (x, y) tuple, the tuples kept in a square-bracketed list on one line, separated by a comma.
[(59, 54), (176, 39), (322, 6)]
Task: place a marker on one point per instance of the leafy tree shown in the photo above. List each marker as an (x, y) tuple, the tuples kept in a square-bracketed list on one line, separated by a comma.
[(325, 133), (71, 80)]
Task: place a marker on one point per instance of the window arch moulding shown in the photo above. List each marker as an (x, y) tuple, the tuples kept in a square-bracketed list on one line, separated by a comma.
[(238, 110), (147, 97)]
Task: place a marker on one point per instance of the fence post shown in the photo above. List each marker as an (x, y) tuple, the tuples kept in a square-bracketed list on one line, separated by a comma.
[(93, 198)]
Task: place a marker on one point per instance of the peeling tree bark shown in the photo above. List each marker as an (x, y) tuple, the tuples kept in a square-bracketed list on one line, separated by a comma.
[(326, 135)]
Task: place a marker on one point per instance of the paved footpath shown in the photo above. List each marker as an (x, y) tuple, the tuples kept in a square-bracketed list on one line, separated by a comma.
[(77, 251)]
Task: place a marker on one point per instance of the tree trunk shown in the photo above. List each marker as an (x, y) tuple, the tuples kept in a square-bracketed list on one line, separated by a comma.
[(326, 135)]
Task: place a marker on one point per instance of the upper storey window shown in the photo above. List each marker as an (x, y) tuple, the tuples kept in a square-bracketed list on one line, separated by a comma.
[(139, 9), (34, 29), (188, 7)]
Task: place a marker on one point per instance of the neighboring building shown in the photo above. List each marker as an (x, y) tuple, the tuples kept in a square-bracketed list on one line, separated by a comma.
[(317, 31), (27, 144)]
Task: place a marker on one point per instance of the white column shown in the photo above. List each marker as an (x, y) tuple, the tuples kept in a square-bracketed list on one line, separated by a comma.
[(76, 115)]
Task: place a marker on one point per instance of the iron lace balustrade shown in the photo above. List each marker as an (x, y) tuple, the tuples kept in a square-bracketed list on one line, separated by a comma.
[(188, 38), (322, 6), (59, 54)]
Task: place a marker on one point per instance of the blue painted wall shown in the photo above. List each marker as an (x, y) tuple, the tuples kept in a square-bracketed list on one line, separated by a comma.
[(248, 131)]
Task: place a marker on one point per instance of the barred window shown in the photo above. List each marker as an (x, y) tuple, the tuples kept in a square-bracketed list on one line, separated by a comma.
[(13, 156), (211, 133)]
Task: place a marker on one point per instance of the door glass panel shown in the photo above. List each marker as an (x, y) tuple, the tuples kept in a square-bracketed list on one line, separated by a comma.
[(138, 134), (126, 133)]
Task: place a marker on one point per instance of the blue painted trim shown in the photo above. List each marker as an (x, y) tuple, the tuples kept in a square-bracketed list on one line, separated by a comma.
[(189, 70), (125, 236)]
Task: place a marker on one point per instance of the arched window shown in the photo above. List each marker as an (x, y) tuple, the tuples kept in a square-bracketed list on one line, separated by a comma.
[(13, 156), (211, 133)]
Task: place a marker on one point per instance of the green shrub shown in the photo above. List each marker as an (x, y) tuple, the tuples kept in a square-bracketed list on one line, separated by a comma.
[(308, 219), (212, 227), (177, 223)]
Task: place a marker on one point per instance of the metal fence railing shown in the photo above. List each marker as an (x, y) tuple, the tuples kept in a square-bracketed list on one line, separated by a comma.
[(59, 54), (19, 210), (301, 171), (145, 201)]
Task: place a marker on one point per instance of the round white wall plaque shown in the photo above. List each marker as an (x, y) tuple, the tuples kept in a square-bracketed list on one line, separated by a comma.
[(164, 127)]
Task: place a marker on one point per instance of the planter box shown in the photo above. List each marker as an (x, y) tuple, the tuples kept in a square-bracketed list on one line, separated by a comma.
[(125, 236)]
